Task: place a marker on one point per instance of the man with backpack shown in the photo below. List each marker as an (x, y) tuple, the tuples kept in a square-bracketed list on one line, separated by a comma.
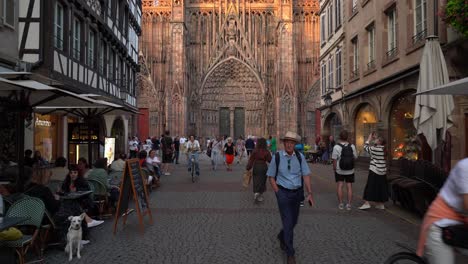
[(343, 156), (288, 175)]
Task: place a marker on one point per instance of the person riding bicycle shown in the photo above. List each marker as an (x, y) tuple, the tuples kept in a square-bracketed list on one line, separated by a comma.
[(449, 208), (193, 147)]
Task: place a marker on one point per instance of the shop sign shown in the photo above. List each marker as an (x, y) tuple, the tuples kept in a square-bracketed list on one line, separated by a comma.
[(44, 123), (109, 147), (81, 133)]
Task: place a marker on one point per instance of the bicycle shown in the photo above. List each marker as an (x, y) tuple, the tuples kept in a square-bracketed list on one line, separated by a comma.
[(193, 166), (407, 256)]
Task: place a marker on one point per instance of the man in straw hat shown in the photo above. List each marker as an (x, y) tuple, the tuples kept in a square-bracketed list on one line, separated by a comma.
[(288, 179)]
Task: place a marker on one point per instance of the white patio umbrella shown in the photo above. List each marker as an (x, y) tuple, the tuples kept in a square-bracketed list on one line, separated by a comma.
[(432, 112)]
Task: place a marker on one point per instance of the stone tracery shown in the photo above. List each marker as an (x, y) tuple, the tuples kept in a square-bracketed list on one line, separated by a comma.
[(224, 53)]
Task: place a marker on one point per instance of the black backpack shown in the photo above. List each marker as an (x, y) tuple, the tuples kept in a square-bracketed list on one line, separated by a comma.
[(347, 157)]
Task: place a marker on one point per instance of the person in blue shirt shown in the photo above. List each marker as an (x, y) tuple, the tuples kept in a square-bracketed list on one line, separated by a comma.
[(299, 147), (288, 182)]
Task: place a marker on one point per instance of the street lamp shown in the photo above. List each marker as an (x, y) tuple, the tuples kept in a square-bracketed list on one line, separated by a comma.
[(328, 100)]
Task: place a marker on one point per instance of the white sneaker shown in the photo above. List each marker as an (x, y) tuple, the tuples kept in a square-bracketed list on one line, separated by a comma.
[(341, 206), (348, 207), (380, 206), (94, 223), (365, 206), (256, 195), (84, 242), (260, 198)]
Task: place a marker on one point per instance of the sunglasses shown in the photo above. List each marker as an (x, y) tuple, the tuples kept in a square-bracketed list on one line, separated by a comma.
[(289, 164)]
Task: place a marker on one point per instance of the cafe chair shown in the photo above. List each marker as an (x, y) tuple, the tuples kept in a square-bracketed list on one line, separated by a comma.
[(101, 197), (33, 209)]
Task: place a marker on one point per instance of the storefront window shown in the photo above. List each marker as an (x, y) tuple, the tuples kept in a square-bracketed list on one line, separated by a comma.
[(403, 141), (333, 126), (366, 122), (45, 136)]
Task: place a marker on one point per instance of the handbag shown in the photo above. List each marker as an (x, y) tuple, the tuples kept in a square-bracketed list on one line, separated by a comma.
[(247, 178), (456, 235)]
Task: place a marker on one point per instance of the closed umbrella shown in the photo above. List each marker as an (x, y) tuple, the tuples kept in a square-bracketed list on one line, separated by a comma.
[(432, 112)]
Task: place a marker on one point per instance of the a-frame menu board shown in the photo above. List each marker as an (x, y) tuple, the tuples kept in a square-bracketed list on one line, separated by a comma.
[(132, 185)]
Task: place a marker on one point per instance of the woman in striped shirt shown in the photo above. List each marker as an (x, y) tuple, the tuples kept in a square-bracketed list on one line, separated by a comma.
[(376, 188)]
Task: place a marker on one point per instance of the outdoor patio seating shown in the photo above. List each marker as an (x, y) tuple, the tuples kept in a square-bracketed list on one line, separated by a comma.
[(417, 186), (33, 209)]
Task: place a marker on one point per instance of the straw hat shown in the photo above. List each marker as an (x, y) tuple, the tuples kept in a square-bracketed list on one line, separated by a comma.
[(291, 136), (229, 139)]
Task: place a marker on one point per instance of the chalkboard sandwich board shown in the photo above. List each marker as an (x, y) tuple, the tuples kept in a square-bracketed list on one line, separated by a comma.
[(132, 186)]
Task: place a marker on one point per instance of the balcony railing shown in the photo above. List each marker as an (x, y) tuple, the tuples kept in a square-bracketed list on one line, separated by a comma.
[(371, 65), (419, 37), (58, 42), (392, 53), (354, 74)]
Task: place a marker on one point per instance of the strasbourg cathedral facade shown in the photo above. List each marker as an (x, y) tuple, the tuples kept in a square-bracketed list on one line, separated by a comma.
[(229, 67)]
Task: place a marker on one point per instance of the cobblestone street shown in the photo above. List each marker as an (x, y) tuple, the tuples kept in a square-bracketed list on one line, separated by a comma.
[(215, 221)]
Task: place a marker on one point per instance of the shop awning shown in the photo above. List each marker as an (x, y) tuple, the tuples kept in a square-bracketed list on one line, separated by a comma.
[(458, 87), (43, 95)]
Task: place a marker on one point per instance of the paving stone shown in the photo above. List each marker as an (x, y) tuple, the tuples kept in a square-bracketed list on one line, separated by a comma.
[(216, 221)]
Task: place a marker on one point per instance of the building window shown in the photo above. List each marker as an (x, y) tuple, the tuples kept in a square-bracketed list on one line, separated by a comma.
[(371, 46), (324, 77), (355, 58), (91, 48), (58, 26), (330, 21), (9, 13), (76, 38), (403, 135), (365, 123), (420, 20), (337, 14), (117, 13), (109, 8), (391, 35), (330, 72), (322, 29), (354, 7), (338, 67), (110, 70), (102, 62)]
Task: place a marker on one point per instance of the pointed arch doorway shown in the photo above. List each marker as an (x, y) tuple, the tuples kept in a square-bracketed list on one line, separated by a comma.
[(233, 101)]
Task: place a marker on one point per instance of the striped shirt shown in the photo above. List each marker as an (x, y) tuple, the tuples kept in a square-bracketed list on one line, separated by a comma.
[(378, 163)]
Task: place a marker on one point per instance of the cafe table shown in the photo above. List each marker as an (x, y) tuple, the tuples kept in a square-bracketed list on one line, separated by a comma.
[(75, 195)]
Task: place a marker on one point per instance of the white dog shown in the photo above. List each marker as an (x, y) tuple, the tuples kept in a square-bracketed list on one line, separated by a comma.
[(74, 236)]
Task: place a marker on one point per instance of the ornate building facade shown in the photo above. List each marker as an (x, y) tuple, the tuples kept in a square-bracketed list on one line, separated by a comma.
[(225, 67)]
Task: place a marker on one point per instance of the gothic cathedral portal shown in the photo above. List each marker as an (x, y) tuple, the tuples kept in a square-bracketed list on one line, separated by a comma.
[(228, 67)]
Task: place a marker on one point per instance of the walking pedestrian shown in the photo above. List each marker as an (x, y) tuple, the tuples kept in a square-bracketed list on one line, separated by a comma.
[(273, 145), (176, 150), (240, 149), (344, 154), (167, 152), (249, 145), (258, 163), (216, 152), (229, 153), (288, 179), (376, 187), (133, 147)]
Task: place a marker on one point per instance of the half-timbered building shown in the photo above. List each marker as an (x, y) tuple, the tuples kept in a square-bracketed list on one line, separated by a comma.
[(89, 47)]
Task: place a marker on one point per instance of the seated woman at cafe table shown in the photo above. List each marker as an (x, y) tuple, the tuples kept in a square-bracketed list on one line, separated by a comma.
[(37, 188), (75, 183)]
